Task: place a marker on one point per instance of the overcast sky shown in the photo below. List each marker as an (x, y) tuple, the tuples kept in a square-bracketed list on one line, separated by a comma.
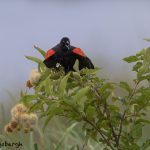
[(106, 30)]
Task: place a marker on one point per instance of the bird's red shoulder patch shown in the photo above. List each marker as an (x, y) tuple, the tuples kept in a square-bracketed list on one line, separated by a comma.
[(49, 53), (79, 52)]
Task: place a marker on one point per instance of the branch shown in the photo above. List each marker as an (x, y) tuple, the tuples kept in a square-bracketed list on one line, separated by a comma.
[(110, 124), (125, 111), (108, 115), (99, 131), (134, 90), (120, 128), (85, 143)]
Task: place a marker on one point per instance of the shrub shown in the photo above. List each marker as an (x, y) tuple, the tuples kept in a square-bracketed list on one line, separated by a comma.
[(83, 97)]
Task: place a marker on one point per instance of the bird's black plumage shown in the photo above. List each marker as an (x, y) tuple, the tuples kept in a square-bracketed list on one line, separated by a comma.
[(66, 55)]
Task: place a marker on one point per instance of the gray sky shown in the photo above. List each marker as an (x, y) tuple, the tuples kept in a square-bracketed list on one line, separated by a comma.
[(106, 30)]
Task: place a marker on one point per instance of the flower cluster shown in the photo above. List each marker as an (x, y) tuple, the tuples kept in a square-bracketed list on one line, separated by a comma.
[(34, 78), (21, 119)]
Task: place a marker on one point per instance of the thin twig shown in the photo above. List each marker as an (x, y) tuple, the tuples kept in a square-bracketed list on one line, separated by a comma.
[(110, 124), (120, 128), (85, 143), (93, 125), (99, 131), (134, 90), (125, 111), (108, 116)]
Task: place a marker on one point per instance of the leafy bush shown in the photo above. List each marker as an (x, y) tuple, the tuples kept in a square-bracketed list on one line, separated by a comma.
[(83, 97)]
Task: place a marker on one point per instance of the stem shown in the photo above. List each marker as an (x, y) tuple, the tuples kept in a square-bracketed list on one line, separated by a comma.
[(108, 116), (93, 125), (99, 131), (124, 114), (110, 124), (134, 90), (35, 146), (85, 143), (120, 129)]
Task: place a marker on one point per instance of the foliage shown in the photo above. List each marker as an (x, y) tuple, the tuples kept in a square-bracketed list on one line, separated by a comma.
[(83, 97)]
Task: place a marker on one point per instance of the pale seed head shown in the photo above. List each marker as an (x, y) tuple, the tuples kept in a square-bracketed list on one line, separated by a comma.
[(33, 119), (35, 76), (18, 108), (24, 118), (17, 117)]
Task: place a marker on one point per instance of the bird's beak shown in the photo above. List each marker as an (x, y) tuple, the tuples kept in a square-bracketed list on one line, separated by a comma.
[(67, 46)]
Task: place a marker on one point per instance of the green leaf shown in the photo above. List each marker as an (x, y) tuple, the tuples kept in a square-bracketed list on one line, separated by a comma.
[(35, 146), (130, 147), (144, 97), (89, 71), (141, 120), (137, 66), (140, 53), (37, 60), (114, 108), (136, 131), (63, 84), (104, 124), (22, 94), (134, 147), (76, 66), (28, 98), (106, 86), (133, 108), (66, 133), (44, 86), (52, 111), (37, 106), (146, 145), (74, 147), (80, 97), (76, 75), (81, 93), (147, 55), (90, 111), (46, 122), (42, 52), (125, 86), (131, 59), (45, 74), (148, 40), (48, 87)]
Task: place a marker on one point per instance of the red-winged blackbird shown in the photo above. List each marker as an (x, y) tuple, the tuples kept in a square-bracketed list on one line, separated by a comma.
[(66, 55)]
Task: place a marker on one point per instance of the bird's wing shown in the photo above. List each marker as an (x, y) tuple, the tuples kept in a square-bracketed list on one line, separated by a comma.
[(50, 59), (85, 62), (49, 53), (79, 52)]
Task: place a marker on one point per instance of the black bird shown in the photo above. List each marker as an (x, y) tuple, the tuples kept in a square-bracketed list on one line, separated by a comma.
[(66, 55)]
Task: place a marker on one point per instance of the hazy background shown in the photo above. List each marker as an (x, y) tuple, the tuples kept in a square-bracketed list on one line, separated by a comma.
[(107, 30)]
